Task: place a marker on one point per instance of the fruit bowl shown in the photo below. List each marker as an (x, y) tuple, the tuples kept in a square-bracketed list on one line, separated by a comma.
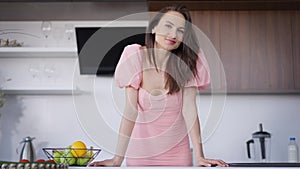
[(71, 156)]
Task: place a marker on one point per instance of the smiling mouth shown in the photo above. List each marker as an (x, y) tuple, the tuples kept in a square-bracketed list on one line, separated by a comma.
[(170, 41)]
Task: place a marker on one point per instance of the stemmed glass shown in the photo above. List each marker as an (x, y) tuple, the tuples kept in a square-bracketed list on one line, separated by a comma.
[(69, 31), (49, 70), (34, 69), (46, 28), (58, 34)]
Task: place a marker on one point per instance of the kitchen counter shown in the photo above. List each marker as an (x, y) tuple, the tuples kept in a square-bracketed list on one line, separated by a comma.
[(175, 167), (265, 165), (231, 165)]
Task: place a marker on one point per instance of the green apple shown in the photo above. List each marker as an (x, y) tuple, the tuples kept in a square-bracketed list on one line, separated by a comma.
[(56, 156), (68, 159), (90, 153), (71, 159), (67, 150), (87, 157), (63, 160), (82, 161)]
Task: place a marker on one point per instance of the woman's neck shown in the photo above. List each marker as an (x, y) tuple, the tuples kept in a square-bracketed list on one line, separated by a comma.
[(161, 57)]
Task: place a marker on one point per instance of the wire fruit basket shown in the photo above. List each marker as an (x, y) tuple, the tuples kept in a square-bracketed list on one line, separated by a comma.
[(71, 156)]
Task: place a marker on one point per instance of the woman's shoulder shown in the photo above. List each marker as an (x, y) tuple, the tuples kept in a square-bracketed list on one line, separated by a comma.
[(133, 52), (133, 47), (128, 70)]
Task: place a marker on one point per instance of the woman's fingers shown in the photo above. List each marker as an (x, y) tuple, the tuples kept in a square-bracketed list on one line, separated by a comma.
[(224, 164), (97, 163), (218, 163), (205, 163), (212, 162), (92, 164)]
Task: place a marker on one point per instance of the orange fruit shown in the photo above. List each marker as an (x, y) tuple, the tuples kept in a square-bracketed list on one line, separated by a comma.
[(78, 149)]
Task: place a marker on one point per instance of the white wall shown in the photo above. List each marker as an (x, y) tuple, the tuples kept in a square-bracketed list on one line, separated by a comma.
[(53, 119), (278, 113)]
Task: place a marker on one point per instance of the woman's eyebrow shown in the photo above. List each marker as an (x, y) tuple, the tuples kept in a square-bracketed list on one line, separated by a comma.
[(170, 22)]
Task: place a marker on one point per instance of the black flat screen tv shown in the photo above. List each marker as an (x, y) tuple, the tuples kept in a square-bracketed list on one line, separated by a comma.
[(99, 48)]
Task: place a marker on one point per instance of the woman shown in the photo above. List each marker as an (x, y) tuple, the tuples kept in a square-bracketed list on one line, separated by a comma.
[(161, 81)]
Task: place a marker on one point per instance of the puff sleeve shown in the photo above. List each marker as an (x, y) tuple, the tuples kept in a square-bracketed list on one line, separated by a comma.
[(129, 68), (202, 79)]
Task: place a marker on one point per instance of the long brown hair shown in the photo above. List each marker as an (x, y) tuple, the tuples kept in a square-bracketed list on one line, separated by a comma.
[(181, 66)]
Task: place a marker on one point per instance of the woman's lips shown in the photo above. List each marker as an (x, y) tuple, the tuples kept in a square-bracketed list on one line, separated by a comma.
[(170, 41)]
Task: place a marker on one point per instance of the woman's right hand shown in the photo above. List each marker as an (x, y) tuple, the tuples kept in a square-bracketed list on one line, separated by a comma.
[(114, 162)]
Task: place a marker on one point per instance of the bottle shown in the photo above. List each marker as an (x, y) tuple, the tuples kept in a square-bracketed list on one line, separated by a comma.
[(293, 151)]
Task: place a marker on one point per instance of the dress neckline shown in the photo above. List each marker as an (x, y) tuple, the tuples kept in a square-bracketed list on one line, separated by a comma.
[(154, 96)]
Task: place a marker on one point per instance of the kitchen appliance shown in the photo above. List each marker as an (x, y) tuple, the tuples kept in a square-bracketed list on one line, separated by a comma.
[(27, 151), (261, 141), (99, 48)]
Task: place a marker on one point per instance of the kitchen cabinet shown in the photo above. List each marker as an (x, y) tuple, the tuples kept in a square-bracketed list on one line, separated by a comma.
[(209, 23), (258, 45), (155, 5), (296, 47), (256, 50)]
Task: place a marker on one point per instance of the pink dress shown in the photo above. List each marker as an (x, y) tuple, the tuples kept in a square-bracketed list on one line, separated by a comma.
[(160, 136)]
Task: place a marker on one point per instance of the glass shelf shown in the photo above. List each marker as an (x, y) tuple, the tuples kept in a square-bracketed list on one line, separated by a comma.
[(42, 91), (15, 52)]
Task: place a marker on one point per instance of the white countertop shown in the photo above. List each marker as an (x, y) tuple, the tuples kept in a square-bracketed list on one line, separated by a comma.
[(178, 167)]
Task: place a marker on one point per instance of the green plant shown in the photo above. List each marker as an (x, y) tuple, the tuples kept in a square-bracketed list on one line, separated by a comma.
[(2, 100)]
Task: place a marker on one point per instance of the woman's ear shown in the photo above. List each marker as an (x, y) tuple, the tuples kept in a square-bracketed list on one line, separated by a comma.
[(153, 30)]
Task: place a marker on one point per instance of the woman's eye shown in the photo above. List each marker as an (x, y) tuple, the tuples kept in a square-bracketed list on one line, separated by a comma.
[(168, 26), (181, 31)]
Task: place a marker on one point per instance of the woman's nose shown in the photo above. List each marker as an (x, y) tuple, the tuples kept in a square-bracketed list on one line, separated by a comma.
[(172, 34)]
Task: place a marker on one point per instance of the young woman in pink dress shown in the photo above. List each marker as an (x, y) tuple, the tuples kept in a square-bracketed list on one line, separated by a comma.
[(161, 80)]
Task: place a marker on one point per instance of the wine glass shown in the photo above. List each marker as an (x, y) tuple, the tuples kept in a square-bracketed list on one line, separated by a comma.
[(58, 34), (49, 70), (34, 70), (69, 31), (46, 28)]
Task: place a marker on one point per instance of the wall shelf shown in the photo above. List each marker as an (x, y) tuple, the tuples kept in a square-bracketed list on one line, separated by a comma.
[(55, 52), (42, 91)]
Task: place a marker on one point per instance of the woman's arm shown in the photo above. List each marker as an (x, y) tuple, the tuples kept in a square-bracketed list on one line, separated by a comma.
[(125, 130), (190, 114)]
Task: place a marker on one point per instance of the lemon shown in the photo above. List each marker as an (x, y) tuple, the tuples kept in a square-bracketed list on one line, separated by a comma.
[(78, 149)]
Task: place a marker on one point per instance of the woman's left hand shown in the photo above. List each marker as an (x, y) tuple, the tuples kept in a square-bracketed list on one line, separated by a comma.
[(203, 162)]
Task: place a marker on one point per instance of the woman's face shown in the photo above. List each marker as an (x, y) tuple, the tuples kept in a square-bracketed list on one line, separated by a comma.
[(169, 31)]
